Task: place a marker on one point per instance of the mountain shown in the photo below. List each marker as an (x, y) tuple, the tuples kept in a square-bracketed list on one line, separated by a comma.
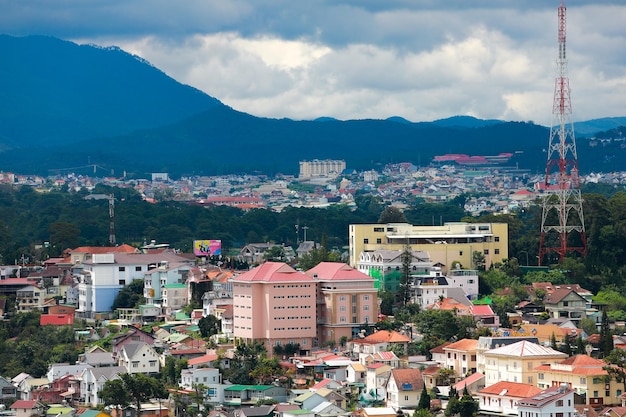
[(64, 106)]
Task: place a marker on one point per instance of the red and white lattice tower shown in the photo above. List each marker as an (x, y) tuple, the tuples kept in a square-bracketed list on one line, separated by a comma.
[(562, 220)]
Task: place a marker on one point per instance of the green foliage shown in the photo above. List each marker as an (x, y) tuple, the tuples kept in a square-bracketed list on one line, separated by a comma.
[(606, 337), (424, 402), (130, 296), (275, 254), (616, 365), (468, 406), (209, 325), (453, 403), (391, 214), (405, 280), (132, 389)]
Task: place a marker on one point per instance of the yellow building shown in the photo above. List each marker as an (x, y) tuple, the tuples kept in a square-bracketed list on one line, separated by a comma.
[(587, 378), (445, 244)]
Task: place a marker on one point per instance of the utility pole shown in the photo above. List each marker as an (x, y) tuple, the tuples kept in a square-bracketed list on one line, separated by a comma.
[(562, 220)]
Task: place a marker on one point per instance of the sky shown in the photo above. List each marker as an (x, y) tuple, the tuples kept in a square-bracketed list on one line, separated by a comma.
[(355, 59)]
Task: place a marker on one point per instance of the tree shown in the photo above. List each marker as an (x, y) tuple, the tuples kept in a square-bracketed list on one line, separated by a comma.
[(606, 337), (209, 326), (468, 406), (114, 393), (391, 214), (616, 365), (405, 280), (274, 254), (424, 402), (129, 296), (478, 260), (453, 403)]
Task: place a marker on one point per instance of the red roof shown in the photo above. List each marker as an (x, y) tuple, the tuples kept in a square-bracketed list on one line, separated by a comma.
[(56, 319), (337, 271), (27, 404), (511, 389), (105, 249), (209, 357)]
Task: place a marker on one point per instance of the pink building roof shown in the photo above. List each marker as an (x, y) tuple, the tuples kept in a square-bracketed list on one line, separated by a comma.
[(273, 272), (337, 271), (482, 310)]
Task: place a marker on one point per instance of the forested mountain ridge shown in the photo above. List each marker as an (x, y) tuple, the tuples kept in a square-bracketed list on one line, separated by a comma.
[(64, 105)]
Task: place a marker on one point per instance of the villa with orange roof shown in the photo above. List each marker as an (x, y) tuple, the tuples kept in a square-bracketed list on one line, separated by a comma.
[(275, 304), (404, 388), (586, 376), (502, 397), (461, 356), (377, 342), (347, 300)]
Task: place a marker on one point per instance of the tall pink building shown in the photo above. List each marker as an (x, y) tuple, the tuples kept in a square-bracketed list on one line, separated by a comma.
[(275, 304), (346, 300)]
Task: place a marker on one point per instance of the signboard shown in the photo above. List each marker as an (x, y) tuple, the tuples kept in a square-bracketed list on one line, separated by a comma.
[(207, 247)]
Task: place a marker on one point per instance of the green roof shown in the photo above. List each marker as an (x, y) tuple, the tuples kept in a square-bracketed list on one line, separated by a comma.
[(296, 412), (175, 286), (248, 387)]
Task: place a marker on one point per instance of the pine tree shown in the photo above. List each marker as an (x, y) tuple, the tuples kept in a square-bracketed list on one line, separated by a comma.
[(453, 403), (424, 403), (606, 337), (468, 406)]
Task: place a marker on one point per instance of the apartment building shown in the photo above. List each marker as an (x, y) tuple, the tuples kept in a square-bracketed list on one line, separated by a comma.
[(346, 300), (327, 168), (275, 304), (445, 244)]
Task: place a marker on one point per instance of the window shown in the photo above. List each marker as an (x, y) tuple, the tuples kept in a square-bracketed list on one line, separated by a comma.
[(379, 240), (530, 379), (460, 253), (486, 251), (379, 229), (583, 381), (138, 268), (559, 403), (540, 376), (366, 241), (122, 268), (366, 307), (342, 308), (496, 251), (122, 282), (496, 238), (366, 298), (406, 398)]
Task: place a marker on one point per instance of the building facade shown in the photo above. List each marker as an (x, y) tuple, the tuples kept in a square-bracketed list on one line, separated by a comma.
[(445, 244), (327, 168), (275, 304)]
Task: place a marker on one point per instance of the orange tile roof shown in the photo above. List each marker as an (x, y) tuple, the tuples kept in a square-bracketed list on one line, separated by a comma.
[(408, 379), (513, 389), (463, 344)]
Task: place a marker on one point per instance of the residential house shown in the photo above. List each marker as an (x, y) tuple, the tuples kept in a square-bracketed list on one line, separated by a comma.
[(517, 362), (376, 380), (502, 397), (613, 412), (104, 275), (164, 273), (92, 381), (387, 357), (356, 372), (309, 400), (7, 389), (254, 253), (333, 397), (461, 357), (473, 383), (97, 357), (237, 395), (380, 341), (131, 335), (30, 298), (207, 377), (28, 408), (174, 297), (328, 409), (404, 388), (554, 401), (346, 301), (26, 387), (586, 376), (566, 303), (58, 370), (255, 411), (139, 358), (275, 304)]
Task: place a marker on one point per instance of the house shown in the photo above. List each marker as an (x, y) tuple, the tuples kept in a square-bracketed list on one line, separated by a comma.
[(517, 362), (555, 401), (473, 383), (97, 357), (174, 297), (92, 381), (328, 409), (461, 356), (139, 358), (404, 388), (132, 335), (28, 408), (236, 395), (503, 397), (161, 274), (566, 303), (376, 378), (356, 373), (380, 341), (387, 357), (377, 412), (7, 390), (486, 343), (585, 375), (30, 298), (613, 412), (333, 397)]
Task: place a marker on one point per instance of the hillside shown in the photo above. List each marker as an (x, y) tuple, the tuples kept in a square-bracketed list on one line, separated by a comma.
[(64, 106)]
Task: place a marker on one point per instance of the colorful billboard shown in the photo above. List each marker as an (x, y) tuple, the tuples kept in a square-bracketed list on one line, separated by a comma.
[(207, 247)]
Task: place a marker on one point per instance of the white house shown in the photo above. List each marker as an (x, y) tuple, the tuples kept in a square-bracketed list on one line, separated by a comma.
[(139, 358), (92, 381), (207, 377), (104, 275), (164, 273), (57, 370), (552, 402), (174, 297), (404, 388)]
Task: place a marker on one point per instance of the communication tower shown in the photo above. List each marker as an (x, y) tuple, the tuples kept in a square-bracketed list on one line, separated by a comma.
[(562, 220)]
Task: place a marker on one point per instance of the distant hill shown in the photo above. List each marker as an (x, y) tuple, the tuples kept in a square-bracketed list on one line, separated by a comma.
[(64, 106)]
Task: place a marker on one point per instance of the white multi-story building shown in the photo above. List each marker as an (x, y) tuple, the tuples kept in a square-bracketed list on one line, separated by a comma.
[(105, 274), (553, 402), (321, 168), (165, 273)]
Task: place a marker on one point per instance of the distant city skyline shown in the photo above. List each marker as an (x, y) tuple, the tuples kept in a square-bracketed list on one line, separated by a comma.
[(418, 59)]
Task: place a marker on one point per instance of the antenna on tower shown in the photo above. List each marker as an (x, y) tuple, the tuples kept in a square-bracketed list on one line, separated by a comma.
[(111, 219), (562, 220)]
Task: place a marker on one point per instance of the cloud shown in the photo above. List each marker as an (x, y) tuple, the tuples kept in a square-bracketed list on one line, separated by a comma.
[(419, 59)]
